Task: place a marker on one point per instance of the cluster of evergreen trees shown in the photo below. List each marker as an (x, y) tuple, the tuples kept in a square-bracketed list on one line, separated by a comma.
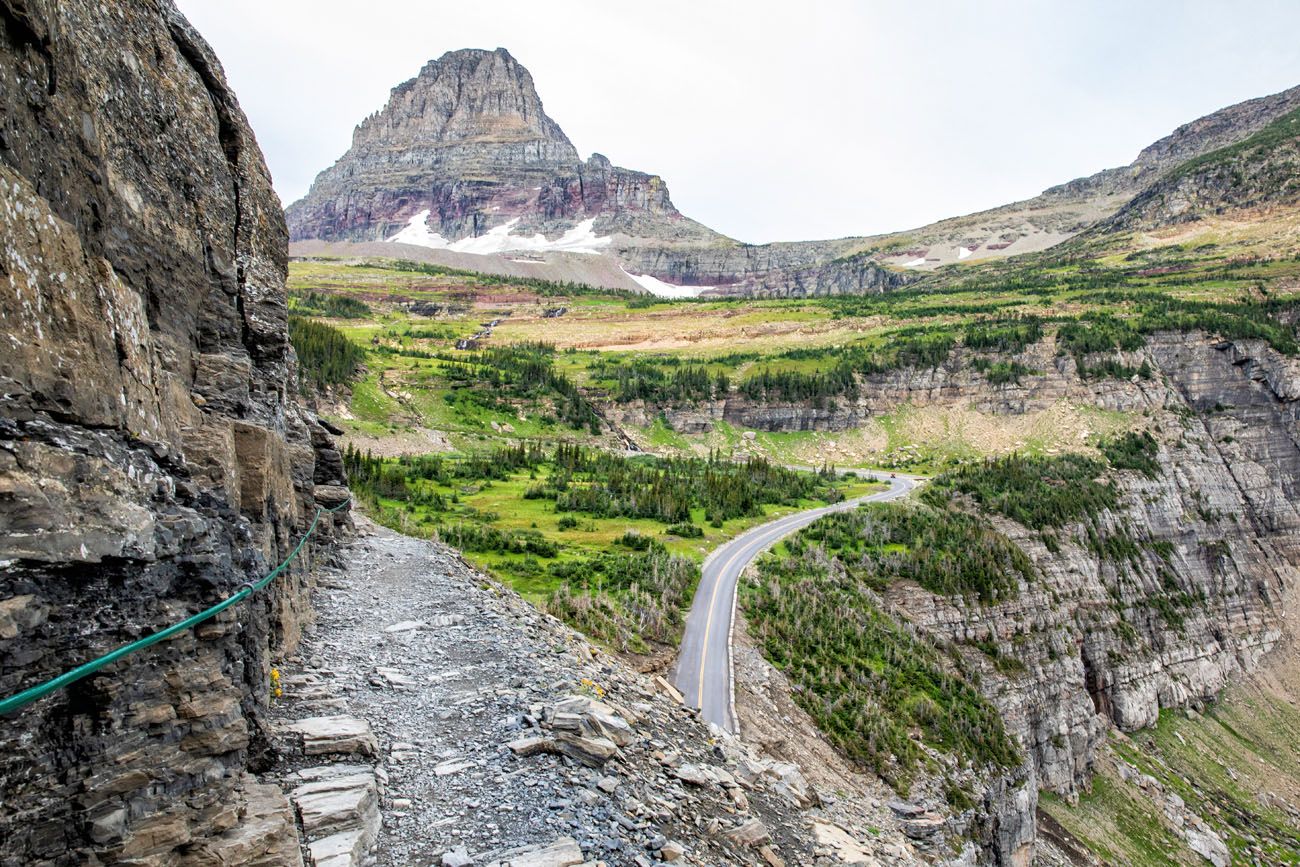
[(327, 304), (650, 381), (795, 386), (945, 550), (482, 539), (524, 371), (909, 347), (596, 482), (402, 478), (1001, 372), (1249, 319), (325, 355), (1133, 451), (599, 483), (868, 680), (1008, 334), (1039, 492), (625, 599)]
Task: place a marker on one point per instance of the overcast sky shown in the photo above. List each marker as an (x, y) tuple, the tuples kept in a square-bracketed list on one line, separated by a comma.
[(782, 120)]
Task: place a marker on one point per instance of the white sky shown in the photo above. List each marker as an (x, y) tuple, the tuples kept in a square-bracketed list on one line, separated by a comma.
[(782, 120)]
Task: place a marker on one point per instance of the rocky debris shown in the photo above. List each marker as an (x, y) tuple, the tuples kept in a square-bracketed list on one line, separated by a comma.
[(1208, 845), (749, 833), (564, 852), (457, 857), (835, 841), (672, 851), (521, 733), (152, 455), (916, 820), (1200, 837), (784, 777)]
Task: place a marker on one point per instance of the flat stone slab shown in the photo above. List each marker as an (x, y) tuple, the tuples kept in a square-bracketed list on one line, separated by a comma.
[(751, 833), (337, 803), (344, 849), (335, 735), (564, 852)]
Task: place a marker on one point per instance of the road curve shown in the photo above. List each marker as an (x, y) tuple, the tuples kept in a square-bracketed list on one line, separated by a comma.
[(703, 670)]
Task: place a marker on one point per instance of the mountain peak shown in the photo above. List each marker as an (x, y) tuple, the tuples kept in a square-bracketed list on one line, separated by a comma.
[(467, 95), (465, 147)]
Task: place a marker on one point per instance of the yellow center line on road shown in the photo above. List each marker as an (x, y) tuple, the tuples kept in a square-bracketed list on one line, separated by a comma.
[(708, 623), (741, 549)]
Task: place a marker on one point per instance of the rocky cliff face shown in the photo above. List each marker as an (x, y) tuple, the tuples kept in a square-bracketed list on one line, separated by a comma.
[(1258, 174), (1218, 130), (152, 455), (1106, 640)]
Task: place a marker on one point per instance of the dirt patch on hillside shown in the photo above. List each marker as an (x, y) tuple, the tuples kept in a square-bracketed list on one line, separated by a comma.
[(675, 329), (938, 433), (421, 441)]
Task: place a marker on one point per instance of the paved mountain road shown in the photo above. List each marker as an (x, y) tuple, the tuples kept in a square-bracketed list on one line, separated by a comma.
[(703, 670)]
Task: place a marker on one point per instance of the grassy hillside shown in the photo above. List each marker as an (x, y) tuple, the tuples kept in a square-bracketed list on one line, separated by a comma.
[(1234, 767), (501, 416)]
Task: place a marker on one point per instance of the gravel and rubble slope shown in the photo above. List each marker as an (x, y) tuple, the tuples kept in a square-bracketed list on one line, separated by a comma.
[(498, 728)]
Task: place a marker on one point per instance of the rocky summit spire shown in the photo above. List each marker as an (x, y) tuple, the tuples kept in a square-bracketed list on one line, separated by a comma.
[(467, 109), (468, 141)]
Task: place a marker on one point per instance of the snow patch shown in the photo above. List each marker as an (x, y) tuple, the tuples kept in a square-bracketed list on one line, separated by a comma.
[(963, 253), (659, 288), (582, 238), (417, 232), (915, 263)]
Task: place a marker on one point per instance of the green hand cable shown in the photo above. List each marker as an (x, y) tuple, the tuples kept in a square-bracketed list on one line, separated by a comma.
[(27, 696)]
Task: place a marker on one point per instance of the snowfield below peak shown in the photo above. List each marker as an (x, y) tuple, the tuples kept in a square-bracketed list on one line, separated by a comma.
[(658, 287), (582, 238)]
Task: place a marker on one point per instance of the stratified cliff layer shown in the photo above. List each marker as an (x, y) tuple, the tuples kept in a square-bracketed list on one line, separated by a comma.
[(1160, 602), (152, 455)]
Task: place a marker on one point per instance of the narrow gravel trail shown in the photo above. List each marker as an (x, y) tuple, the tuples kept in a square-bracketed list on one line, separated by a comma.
[(454, 673)]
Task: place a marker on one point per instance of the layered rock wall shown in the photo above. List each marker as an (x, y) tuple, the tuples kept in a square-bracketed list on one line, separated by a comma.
[(152, 455), (1105, 641)]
